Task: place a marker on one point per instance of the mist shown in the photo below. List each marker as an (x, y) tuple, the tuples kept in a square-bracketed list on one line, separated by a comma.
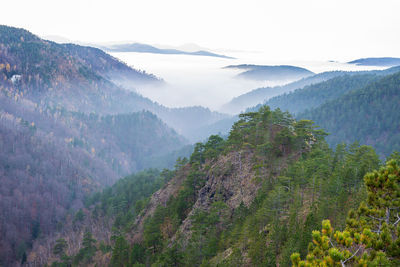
[(202, 81)]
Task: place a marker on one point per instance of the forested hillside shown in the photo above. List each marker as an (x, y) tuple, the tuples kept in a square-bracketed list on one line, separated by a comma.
[(257, 97), (314, 95), (370, 116), (51, 158), (371, 236), (250, 200), (72, 124), (85, 79), (377, 61), (53, 150), (271, 73)]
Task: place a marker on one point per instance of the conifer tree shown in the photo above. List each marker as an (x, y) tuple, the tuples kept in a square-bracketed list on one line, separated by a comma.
[(372, 234), (60, 246), (120, 255)]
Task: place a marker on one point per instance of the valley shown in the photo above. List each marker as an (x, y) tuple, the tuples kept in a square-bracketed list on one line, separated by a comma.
[(132, 153)]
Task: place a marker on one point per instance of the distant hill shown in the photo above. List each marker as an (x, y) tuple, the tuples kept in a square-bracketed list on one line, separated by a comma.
[(314, 95), (271, 73), (260, 95), (28, 54), (67, 129), (369, 115), (145, 48), (377, 61), (84, 79)]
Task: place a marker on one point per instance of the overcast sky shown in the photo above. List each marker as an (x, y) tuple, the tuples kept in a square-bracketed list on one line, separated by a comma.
[(317, 29)]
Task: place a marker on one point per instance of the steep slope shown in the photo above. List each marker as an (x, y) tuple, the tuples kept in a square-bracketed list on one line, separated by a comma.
[(25, 53), (52, 154), (116, 205), (110, 67), (244, 201), (369, 115), (50, 159), (271, 73), (260, 95), (314, 95), (84, 79), (71, 76)]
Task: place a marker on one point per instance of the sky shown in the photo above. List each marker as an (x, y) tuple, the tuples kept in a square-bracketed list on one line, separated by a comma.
[(307, 29)]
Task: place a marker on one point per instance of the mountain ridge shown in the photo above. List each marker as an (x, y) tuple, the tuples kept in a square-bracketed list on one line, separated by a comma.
[(145, 48), (85, 79), (376, 61), (261, 95), (368, 115), (271, 73)]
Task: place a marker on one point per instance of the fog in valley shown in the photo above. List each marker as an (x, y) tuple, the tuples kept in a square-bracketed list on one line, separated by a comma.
[(202, 80), (187, 133)]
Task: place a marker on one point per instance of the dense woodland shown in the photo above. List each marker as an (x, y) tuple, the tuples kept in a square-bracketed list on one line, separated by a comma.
[(53, 152), (252, 199), (71, 126), (86, 79), (51, 158), (370, 116), (314, 95), (254, 99)]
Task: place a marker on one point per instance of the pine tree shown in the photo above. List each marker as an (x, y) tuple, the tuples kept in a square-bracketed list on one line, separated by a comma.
[(372, 235), (88, 250), (60, 246), (120, 255)]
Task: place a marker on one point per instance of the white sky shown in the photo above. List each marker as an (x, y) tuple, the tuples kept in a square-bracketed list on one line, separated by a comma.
[(298, 29)]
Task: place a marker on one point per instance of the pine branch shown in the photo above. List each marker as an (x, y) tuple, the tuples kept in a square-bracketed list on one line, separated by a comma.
[(397, 221), (343, 262)]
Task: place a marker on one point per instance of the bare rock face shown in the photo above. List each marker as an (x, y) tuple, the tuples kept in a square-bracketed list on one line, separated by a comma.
[(160, 197), (230, 179)]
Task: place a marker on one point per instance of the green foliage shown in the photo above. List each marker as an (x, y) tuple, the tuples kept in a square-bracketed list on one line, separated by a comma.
[(274, 133), (60, 246), (79, 216), (287, 209), (123, 202), (208, 151), (314, 95), (207, 228), (372, 235), (272, 225), (314, 182), (152, 232), (369, 115), (137, 255), (120, 255), (128, 197), (86, 253)]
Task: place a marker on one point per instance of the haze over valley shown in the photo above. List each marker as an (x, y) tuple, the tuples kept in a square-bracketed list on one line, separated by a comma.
[(193, 80), (220, 133)]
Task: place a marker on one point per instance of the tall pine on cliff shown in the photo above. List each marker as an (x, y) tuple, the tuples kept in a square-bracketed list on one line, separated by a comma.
[(252, 199)]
